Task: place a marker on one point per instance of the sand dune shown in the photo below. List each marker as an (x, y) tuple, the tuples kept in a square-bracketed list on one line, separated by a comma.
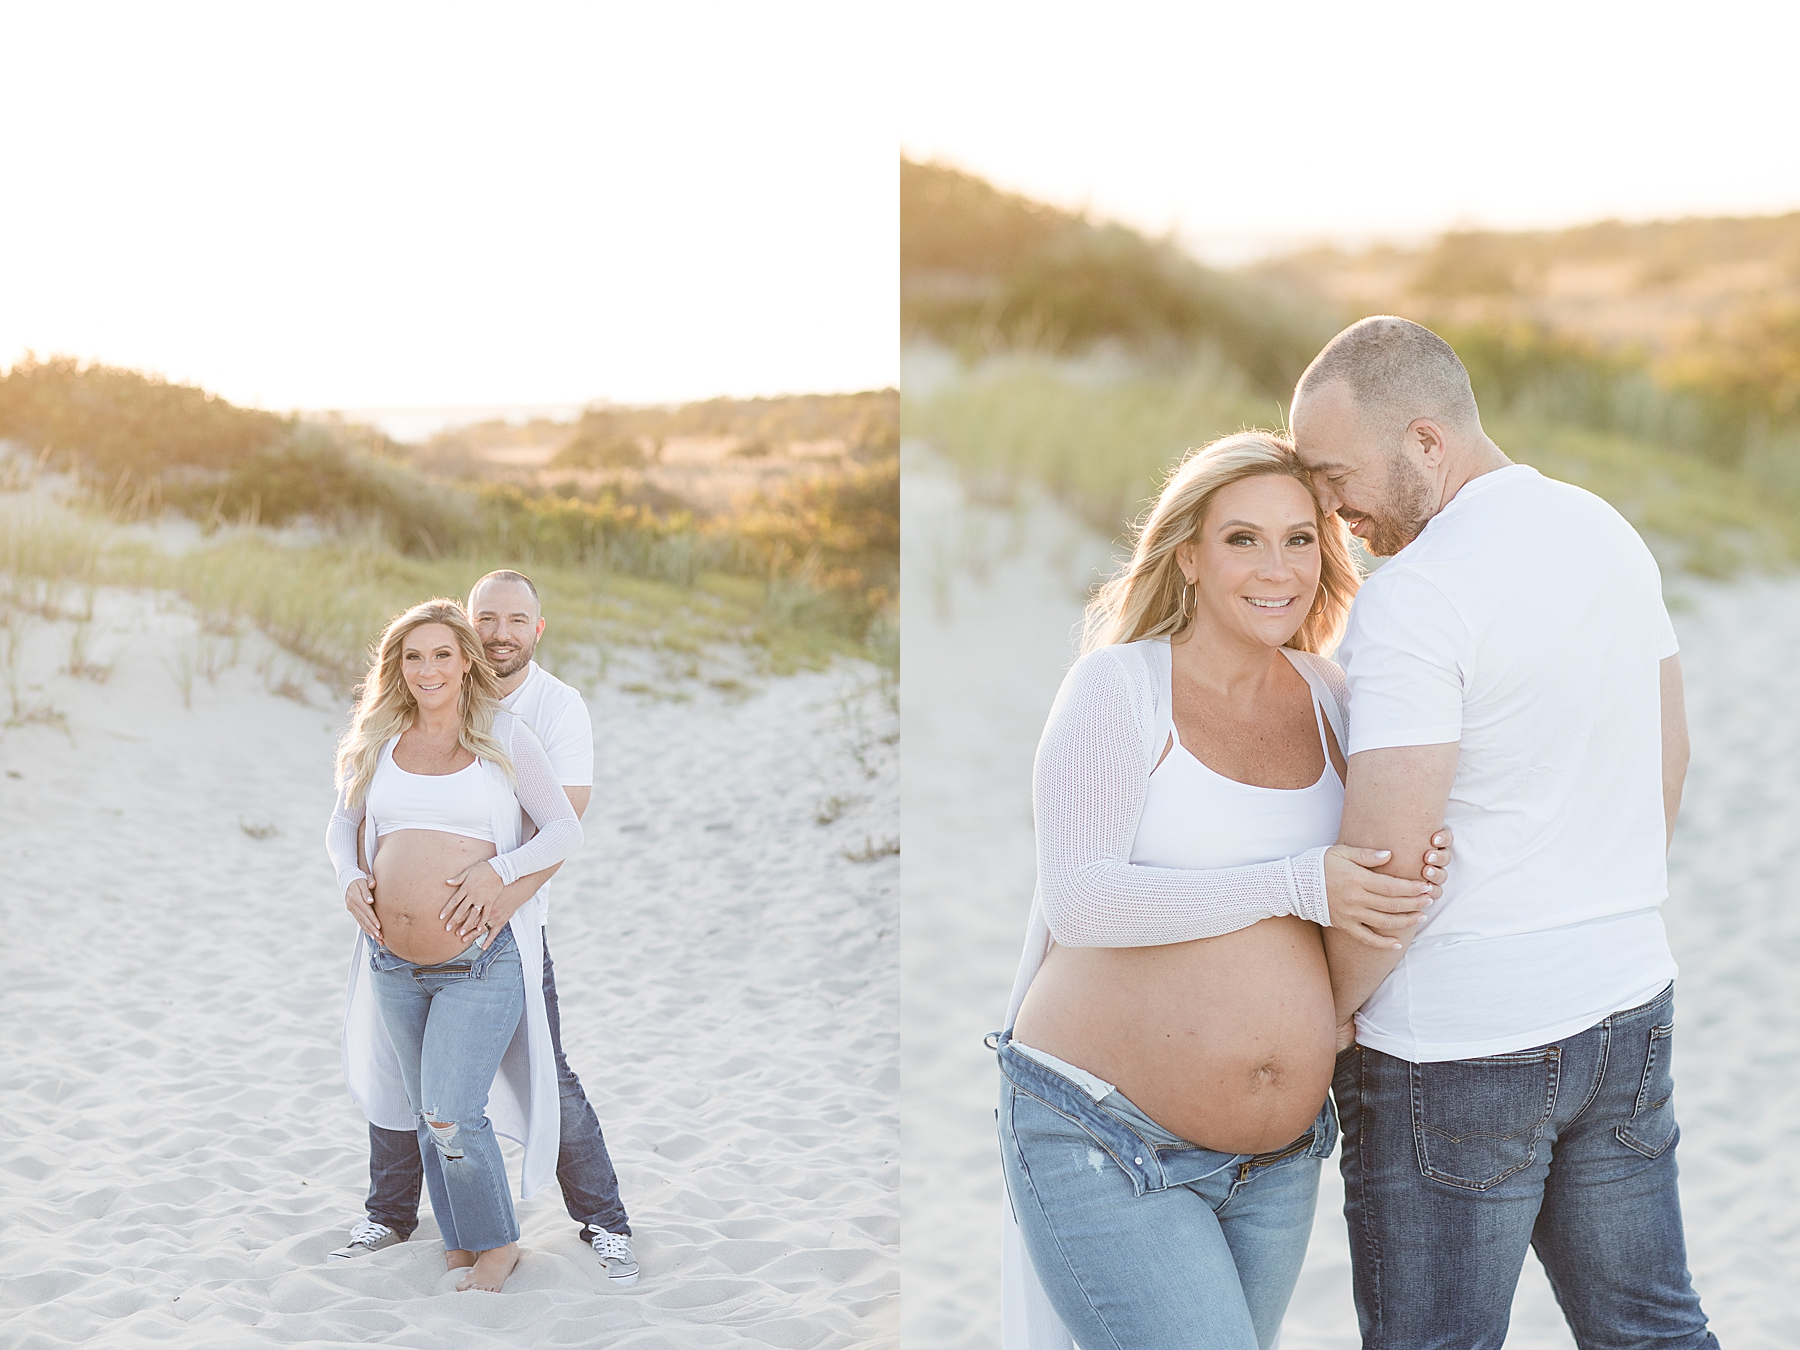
[(181, 1151), (992, 597)]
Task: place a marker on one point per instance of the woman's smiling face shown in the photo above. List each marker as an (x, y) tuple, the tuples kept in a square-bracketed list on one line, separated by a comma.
[(433, 664), (1255, 560)]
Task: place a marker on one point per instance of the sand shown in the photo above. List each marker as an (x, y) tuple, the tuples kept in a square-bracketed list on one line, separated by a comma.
[(992, 595), (180, 1150)]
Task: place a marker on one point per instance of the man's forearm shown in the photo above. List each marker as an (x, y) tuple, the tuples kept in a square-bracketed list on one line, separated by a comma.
[(1357, 970), (1674, 743)]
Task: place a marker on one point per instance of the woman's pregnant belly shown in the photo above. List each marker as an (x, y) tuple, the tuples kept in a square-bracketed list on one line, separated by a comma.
[(411, 867), (1227, 1042)]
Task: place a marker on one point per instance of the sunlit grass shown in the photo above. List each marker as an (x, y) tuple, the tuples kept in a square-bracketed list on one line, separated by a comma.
[(326, 602), (1105, 445), (1100, 440)]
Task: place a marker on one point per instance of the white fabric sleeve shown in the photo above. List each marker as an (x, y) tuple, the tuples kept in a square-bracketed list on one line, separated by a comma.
[(1088, 791), (340, 842), (558, 830), (570, 743), (1405, 654), (1667, 644)]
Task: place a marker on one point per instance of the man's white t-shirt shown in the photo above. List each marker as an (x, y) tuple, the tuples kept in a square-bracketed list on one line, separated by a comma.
[(559, 716), (1526, 623)]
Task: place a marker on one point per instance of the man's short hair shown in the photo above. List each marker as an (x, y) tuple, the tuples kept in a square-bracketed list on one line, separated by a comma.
[(506, 574), (1398, 371)]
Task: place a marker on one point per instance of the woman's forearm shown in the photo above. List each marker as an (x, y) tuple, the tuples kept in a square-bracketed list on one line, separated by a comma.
[(548, 847)]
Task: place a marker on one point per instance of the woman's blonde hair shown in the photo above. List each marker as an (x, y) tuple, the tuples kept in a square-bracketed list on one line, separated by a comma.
[(1145, 598), (385, 707)]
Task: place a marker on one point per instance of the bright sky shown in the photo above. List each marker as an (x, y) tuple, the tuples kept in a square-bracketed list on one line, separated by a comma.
[(1244, 126), (385, 204)]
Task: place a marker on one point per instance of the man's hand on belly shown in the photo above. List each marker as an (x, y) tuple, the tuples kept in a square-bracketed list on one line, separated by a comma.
[(472, 905)]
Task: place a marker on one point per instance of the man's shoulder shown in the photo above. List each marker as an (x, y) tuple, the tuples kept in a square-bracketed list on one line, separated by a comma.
[(548, 693)]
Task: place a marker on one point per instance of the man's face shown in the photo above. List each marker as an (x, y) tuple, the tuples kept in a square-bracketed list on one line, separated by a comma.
[(1363, 475), (506, 616)]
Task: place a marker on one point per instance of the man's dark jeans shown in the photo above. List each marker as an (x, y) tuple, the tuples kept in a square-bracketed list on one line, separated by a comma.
[(1452, 1169), (583, 1168)]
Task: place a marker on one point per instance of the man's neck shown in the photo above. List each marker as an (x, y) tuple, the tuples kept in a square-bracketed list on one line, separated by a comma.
[(1467, 463), (511, 683)]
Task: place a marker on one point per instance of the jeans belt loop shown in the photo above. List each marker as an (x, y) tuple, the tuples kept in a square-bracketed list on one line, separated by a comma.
[(1136, 1157)]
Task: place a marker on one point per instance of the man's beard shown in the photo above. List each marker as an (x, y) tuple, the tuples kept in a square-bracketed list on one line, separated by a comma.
[(1405, 510), (522, 655)]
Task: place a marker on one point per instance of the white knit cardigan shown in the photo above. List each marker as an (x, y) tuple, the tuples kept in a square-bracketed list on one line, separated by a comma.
[(1107, 729), (523, 1102)]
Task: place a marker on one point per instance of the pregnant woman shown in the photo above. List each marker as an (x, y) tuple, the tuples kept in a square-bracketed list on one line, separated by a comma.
[(432, 776), (1171, 1036)]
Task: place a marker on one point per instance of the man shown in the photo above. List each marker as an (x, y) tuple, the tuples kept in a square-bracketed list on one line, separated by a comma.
[(1512, 673), (505, 608)]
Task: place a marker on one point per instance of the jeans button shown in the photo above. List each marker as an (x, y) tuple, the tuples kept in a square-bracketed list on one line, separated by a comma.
[(1139, 1161)]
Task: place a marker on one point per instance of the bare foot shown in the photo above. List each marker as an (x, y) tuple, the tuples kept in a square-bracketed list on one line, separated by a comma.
[(458, 1259), (491, 1269)]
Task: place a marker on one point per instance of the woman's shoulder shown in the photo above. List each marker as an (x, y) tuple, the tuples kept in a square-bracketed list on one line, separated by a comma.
[(1109, 669), (1330, 669), (1120, 673), (1329, 672), (1134, 660)]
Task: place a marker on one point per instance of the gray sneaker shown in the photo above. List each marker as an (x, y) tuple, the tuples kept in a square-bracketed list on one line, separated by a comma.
[(615, 1255), (368, 1236)]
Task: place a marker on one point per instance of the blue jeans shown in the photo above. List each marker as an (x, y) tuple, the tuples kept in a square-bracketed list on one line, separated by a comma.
[(1452, 1169), (450, 1024), (584, 1169), (1142, 1240)]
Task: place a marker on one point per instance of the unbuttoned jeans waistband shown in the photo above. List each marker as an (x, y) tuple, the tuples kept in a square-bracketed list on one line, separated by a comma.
[(472, 962), (1153, 1158)]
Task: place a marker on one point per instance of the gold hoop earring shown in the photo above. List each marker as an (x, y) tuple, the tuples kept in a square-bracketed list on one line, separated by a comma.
[(1186, 602)]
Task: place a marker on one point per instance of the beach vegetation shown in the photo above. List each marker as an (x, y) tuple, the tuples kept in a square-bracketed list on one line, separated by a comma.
[(1656, 365), (317, 532), (983, 270), (873, 849)]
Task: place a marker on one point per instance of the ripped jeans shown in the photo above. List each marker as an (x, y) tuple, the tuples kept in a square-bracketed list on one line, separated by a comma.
[(450, 1025), (1141, 1238)]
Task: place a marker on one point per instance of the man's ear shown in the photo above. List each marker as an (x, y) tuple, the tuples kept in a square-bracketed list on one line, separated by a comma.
[(1427, 437), (540, 628)]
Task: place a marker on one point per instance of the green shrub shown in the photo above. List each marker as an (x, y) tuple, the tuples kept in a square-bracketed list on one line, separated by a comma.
[(981, 269)]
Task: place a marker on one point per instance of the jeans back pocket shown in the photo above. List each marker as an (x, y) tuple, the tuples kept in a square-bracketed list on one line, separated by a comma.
[(1477, 1121), (1651, 1128)]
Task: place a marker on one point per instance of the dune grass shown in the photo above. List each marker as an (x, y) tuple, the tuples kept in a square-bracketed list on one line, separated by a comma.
[(327, 601), (1100, 440), (802, 569), (1105, 445)]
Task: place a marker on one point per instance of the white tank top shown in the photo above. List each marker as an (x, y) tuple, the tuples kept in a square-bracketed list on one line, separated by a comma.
[(454, 803), (1196, 819)]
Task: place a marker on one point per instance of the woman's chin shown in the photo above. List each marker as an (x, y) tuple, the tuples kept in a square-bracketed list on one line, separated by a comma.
[(1274, 632)]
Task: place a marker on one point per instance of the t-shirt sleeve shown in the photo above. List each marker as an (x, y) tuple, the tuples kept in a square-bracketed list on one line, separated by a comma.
[(1666, 642), (570, 743), (1405, 657)]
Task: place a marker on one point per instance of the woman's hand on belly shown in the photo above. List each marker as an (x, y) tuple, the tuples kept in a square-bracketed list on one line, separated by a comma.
[(359, 899), (411, 867), (471, 906)]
